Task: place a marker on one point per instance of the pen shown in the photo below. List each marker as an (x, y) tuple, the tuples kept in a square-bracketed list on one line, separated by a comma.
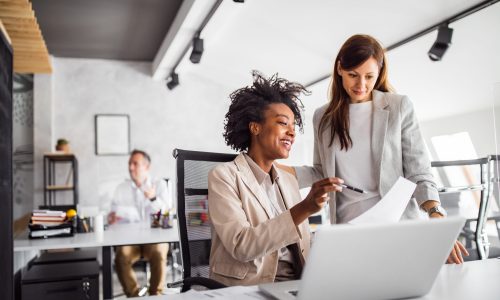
[(353, 188)]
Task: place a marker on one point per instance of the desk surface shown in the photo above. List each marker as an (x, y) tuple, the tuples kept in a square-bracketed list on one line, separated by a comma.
[(115, 235), (471, 280)]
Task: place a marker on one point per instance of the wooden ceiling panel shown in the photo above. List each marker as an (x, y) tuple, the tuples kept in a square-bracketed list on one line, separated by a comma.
[(30, 50)]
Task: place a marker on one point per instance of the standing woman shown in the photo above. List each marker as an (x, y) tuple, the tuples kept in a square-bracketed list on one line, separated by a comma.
[(369, 136)]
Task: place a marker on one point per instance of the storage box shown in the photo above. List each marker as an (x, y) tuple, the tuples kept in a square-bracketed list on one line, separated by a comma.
[(64, 257), (78, 280)]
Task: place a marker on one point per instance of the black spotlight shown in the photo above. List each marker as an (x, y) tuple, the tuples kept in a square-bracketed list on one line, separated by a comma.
[(174, 81), (441, 44), (197, 50)]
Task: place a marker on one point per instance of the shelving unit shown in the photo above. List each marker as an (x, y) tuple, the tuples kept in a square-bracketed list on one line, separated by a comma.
[(51, 187)]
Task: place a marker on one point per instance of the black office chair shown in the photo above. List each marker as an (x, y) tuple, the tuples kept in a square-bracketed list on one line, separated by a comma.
[(192, 212)]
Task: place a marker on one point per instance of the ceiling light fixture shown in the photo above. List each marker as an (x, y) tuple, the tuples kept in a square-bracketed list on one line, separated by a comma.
[(442, 43), (197, 50), (174, 81), (197, 44), (458, 16)]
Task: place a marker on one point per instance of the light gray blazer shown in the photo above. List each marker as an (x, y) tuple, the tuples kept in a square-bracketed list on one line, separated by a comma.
[(397, 148)]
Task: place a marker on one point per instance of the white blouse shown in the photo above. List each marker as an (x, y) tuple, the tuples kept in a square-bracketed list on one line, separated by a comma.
[(355, 166)]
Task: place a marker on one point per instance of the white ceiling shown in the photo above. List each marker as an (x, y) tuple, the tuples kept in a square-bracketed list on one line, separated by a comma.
[(299, 40), (463, 81)]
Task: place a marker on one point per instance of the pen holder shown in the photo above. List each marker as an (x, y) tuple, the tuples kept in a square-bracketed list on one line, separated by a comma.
[(84, 225), (155, 220), (166, 221)]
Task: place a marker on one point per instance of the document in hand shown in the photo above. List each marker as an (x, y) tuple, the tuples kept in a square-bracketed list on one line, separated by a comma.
[(391, 207)]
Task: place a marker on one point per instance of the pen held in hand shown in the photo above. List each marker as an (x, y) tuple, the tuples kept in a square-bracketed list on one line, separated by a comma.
[(353, 188)]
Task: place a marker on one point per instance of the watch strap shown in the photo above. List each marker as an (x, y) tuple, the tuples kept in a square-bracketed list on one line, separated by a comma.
[(437, 209)]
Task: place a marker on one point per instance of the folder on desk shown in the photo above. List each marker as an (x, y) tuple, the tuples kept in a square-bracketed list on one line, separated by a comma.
[(38, 231)]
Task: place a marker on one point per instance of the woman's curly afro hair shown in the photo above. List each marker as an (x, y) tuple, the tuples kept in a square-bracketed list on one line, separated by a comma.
[(249, 103)]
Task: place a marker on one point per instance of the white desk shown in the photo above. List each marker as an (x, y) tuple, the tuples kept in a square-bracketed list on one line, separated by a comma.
[(478, 279), (115, 235), (471, 280)]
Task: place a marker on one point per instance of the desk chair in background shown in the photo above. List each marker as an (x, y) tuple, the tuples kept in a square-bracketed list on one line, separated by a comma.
[(474, 237), (192, 213)]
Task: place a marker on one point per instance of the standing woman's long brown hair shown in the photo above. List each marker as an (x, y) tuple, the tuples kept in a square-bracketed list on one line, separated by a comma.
[(355, 51)]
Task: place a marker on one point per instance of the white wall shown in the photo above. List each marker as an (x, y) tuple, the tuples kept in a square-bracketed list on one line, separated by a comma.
[(189, 117), (479, 125)]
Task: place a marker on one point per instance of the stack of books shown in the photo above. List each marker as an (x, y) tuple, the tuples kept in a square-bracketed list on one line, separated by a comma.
[(49, 223)]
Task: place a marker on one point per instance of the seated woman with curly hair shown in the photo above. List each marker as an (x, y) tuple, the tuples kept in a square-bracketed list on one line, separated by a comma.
[(260, 231)]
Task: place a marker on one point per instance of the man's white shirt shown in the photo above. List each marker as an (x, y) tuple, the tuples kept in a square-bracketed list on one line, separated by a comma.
[(131, 205)]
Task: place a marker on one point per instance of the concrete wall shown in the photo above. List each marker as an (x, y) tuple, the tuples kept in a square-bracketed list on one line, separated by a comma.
[(188, 117), (22, 146)]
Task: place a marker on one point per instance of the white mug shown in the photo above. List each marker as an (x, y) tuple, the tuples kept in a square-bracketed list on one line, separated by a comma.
[(99, 223)]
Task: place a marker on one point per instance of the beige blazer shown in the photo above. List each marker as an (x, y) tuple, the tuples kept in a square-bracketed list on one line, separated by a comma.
[(397, 148), (245, 240)]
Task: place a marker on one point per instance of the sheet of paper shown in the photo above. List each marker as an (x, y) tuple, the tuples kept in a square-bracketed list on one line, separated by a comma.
[(230, 293), (236, 292), (391, 207)]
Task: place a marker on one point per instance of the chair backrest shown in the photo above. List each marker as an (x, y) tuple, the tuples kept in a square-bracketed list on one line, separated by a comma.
[(192, 208)]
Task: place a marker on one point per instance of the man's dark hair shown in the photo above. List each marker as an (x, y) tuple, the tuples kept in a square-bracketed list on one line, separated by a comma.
[(143, 153), (249, 103)]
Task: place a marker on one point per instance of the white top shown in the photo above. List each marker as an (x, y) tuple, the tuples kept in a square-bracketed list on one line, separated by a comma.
[(355, 166), (130, 203), (275, 200)]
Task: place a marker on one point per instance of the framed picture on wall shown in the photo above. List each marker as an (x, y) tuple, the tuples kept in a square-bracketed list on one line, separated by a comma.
[(112, 134)]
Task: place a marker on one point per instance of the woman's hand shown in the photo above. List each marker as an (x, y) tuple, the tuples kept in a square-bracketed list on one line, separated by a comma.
[(456, 255), (318, 195), (113, 218), (458, 251), (316, 199)]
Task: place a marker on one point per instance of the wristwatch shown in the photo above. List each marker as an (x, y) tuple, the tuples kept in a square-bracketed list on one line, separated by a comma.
[(437, 209)]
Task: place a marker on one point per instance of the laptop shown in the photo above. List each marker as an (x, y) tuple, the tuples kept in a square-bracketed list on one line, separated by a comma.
[(382, 261)]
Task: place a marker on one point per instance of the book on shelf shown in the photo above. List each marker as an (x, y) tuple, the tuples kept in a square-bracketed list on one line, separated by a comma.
[(48, 213), (35, 227), (47, 222), (48, 218)]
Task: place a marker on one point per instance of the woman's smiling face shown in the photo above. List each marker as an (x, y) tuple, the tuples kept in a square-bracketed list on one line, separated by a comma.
[(274, 136)]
